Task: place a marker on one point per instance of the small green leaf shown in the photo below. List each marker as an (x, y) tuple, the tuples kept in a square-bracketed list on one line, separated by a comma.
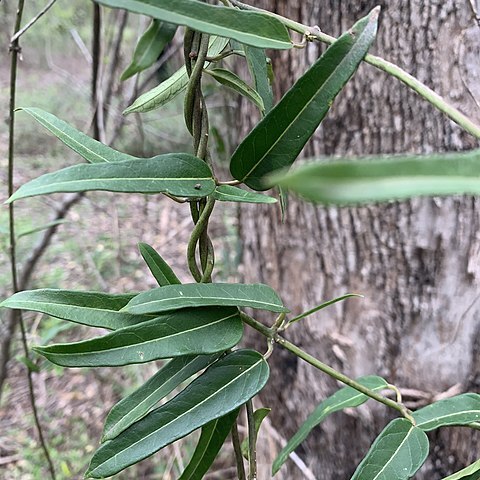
[(397, 453), (31, 231), (251, 28), (472, 472), (225, 386), (459, 410), (33, 367), (199, 331), (149, 47), (346, 397), (235, 83), (178, 174), (258, 417), (94, 309), (277, 140), (134, 407), (381, 179), (211, 440), (174, 297), (91, 150), (324, 305), (173, 86), (160, 269), (258, 67), (227, 193)]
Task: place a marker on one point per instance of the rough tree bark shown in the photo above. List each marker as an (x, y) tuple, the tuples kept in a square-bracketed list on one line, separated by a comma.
[(417, 263)]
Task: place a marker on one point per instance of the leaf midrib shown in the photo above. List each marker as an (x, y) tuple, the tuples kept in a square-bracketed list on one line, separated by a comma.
[(134, 345), (328, 79), (243, 373), (448, 415), (151, 394)]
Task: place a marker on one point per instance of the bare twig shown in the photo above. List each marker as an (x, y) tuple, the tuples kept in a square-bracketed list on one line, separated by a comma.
[(14, 51), (33, 21)]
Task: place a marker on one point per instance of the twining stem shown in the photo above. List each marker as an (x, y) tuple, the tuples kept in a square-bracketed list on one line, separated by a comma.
[(314, 33), (14, 51), (238, 452), (252, 442), (271, 334)]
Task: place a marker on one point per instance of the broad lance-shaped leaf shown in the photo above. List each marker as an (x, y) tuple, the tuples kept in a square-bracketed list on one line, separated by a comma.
[(211, 440), (258, 67), (235, 83), (346, 397), (94, 309), (160, 269), (149, 47), (178, 174), (174, 297), (278, 139), (134, 407), (472, 472), (460, 410), (224, 387), (174, 85), (252, 28), (381, 179), (90, 149), (227, 193), (397, 453), (198, 331)]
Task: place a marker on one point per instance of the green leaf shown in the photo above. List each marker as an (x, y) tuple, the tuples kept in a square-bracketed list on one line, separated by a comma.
[(283, 197), (397, 453), (149, 47), (160, 269), (227, 193), (258, 417), (31, 231), (346, 397), (197, 331), (323, 305), (235, 83), (252, 28), (381, 179), (134, 407), (211, 440), (472, 472), (94, 309), (174, 297), (33, 367), (277, 140), (178, 174), (258, 67), (174, 85), (459, 410), (225, 386), (91, 150)]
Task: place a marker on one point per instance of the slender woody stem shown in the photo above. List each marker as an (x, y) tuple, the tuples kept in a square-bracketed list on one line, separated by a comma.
[(14, 51), (314, 33), (343, 378), (252, 442), (238, 452)]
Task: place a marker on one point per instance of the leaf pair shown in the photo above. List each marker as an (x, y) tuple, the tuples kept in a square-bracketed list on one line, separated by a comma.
[(177, 174), (401, 448), (224, 387)]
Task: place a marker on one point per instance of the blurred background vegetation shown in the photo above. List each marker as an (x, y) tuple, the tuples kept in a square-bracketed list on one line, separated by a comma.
[(95, 246)]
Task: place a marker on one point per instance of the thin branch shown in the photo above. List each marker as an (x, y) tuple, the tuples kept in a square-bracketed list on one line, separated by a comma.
[(14, 51), (33, 21), (252, 442), (238, 453)]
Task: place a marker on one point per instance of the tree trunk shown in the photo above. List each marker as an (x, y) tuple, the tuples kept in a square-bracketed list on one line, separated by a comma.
[(417, 263)]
